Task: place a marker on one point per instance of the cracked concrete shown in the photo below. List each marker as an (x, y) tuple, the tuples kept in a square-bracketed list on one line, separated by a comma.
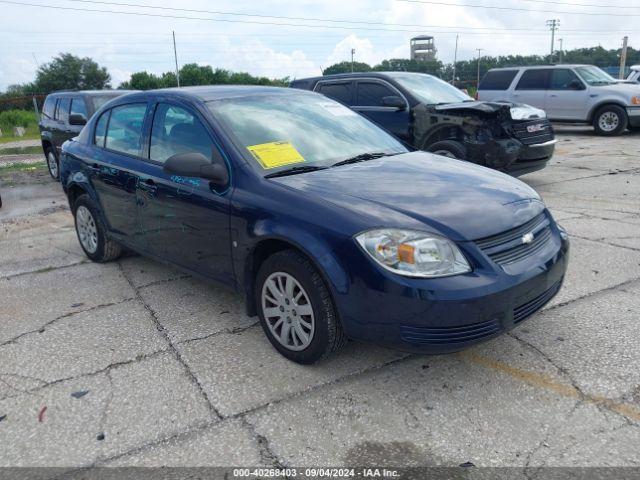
[(178, 375)]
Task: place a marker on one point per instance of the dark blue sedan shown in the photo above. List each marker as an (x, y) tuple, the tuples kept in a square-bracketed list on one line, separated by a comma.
[(328, 225)]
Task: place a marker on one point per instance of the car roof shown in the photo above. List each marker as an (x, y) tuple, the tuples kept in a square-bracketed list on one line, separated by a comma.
[(561, 65), (338, 76), (206, 93), (92, 92)]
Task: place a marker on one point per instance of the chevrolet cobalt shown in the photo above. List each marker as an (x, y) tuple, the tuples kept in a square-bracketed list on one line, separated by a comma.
[(329, 227)]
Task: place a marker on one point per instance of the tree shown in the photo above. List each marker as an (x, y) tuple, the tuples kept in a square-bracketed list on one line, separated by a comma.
[(68, 72), (345, 67), (433, 67)]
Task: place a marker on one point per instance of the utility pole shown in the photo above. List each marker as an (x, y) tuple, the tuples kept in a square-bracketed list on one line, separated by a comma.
[(560, 53), (553, 25), (623, 57), (353, 51), (478, 78), (455, 59), (175, 56)]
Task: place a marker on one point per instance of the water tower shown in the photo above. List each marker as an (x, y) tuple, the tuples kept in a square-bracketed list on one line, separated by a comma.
[(423, 48)]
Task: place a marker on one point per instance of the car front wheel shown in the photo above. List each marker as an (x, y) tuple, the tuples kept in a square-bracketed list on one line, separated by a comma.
[(610, 120), (92, 233), (296, 309), (52, 164), (448, 148)]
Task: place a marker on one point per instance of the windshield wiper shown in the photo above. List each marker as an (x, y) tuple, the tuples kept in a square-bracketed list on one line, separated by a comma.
[(295, 171), (363, 157)]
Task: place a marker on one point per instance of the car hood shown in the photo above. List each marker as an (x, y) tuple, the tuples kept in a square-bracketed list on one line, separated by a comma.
[(412, 190), (629, 89), (523, 111)]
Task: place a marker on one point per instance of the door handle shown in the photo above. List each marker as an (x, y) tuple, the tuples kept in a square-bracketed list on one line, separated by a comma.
[(94, 167), (148, 185)]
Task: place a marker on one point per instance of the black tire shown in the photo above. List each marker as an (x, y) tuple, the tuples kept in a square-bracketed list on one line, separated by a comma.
[(328, 335), (614, 117), (449, 148), (53, 164), (106, 249)]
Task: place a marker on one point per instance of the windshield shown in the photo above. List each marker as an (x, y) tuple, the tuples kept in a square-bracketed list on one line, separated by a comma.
[(281, 131), (428, 89), (594, 76)]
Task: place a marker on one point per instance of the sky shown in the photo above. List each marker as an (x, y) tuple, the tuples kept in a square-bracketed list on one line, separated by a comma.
[(278, 38)]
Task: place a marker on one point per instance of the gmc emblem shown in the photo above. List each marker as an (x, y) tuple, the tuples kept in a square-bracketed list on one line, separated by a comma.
[(536, 128)]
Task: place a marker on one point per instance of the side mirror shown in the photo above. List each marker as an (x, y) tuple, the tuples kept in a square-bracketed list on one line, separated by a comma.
[(195, 164), (394, 101), (77, 119), (576, 85)]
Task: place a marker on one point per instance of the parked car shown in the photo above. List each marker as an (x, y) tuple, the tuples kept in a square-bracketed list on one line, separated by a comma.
[(63, 116), (634, 74), (432, 115), (568, 93), (329, 226)]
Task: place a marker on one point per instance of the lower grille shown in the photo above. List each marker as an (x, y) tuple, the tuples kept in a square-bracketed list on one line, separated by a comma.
[(525, 310), (510, 246), (445, 335), (533, 131)]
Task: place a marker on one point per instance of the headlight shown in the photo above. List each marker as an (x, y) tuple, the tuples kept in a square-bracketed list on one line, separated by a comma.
[(635, 100), (526, 112), (413, 254)]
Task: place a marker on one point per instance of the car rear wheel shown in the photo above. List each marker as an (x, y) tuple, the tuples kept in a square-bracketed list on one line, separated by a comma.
[(92, 233), (449, 148), (52, 164), (610, 120), (296, 309)]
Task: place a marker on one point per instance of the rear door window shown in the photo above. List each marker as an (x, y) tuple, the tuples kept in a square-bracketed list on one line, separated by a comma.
[(370, 94), (124, 130), (101, 128), (78, 107), (497, 80), (62, 110), (342, 91), (534, 79), (49, 107), (175, 130)]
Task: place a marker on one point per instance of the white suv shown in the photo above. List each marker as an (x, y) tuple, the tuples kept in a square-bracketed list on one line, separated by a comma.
[(568, 93), (634, 75)]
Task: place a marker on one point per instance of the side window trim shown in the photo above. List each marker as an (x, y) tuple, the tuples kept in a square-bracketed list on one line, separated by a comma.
[(142, 132), (347, 81), (379, 107), (547, 80), (197, 116)]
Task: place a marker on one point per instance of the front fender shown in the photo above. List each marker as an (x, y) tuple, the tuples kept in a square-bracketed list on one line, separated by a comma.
[(315, 247)]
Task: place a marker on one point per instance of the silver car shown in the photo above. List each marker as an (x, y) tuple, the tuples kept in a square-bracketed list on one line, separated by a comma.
[(568, 93)]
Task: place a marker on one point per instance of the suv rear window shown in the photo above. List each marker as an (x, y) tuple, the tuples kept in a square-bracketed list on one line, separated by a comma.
[(497, 80), (338, 91), (62, 110), (49, 107), (534, 79)]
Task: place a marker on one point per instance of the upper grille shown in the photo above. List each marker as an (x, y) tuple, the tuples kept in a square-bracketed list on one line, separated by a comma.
[(530, 138), (509, 247), (445, 335)]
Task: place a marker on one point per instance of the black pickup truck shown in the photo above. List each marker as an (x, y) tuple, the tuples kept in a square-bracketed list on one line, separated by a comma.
[(63, 116), (432, 115)]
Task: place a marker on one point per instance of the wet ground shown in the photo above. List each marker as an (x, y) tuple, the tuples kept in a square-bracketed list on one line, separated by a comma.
[(133, 363)]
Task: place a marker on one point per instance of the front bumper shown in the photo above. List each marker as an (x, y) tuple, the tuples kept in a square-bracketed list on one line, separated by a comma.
[(452, 313), (532, 157), (633, 113)]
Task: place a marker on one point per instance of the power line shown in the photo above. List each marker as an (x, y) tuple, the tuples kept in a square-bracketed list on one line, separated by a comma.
[(518, 9), (582, 4)]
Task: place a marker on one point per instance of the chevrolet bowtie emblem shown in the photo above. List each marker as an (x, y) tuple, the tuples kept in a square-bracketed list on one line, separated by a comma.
[(527, 238)]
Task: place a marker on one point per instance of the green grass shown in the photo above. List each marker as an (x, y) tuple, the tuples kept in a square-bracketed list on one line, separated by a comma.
[(18, 118), (32, 150), (22, 167)]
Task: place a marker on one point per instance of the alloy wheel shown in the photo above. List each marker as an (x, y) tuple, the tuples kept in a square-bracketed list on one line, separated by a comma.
[(287, 311), (608, 121), (52, 164), (87, 229)]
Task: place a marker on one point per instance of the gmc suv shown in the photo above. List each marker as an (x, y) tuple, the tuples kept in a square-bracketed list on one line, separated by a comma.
[(429, 114), (63, 116), (568, 93)]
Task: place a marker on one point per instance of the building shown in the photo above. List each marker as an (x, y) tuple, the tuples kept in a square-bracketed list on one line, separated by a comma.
[(422, 48)]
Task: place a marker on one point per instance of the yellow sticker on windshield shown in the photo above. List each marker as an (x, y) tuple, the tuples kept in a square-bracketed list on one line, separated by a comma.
[(275, 154)]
